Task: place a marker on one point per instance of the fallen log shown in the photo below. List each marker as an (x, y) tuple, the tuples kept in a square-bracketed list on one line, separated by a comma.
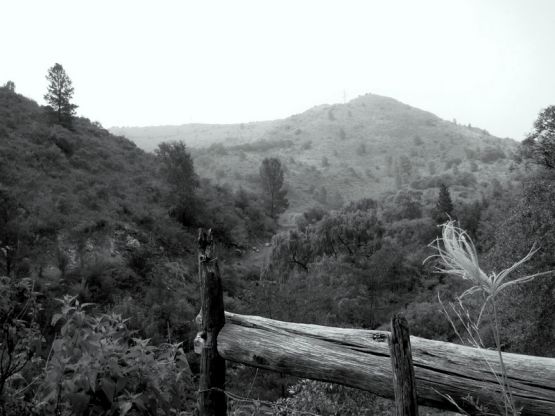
[(360, 359)]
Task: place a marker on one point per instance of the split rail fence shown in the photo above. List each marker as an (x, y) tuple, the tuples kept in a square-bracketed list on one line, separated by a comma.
[(411, 370)]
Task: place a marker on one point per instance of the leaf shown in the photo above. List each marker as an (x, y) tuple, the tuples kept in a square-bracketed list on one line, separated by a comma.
[(139, 402), (125, 407), (79, 402), (57, 345), (120, 384), (56, 318), (109, 388)]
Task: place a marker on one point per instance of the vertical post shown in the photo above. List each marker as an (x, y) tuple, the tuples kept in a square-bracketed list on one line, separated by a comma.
[(211, 319), (404, 385)]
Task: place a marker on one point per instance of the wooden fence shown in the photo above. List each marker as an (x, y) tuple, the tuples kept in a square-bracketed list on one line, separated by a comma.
[(410, 370)]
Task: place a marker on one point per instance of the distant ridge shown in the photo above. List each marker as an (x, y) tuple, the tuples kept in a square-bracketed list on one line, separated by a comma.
[(334, 153)]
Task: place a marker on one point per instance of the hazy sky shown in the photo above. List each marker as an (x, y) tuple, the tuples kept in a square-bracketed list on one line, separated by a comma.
[(486, 62)]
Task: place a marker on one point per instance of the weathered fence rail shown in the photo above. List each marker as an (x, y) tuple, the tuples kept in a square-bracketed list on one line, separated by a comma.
[(442, 372), (360, 358)]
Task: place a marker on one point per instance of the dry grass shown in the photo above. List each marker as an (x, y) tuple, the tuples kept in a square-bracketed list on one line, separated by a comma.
[(458, 257)]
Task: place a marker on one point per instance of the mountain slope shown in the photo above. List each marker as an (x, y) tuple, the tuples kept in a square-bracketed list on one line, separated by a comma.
[(365, 148), (83, 183), (65, 177)]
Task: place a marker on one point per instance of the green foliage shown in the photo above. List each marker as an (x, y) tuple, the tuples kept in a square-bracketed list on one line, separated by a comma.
[(451, 163), (310, 217), (20, 343), (426, 320), (527, 310), (444, 209), (176, 167), (405, 204), (319, 272), (263, 146), (10, 86), (405, 168), (97, 367), (271, 176), (457, 257), (89, 213), (327, 399), (59, 94), (321, 195), (10, 230), (469, 216), (466, 179), (539, 146), (382, 124), (492, 154), (235, 217)]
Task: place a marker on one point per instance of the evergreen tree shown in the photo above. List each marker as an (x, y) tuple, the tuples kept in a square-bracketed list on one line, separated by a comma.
[(176, 167), (443, 210), (271, 175), (59, 94), (10, 86)]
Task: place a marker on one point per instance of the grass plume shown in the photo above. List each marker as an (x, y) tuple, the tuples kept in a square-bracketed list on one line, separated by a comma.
[(457, 256)]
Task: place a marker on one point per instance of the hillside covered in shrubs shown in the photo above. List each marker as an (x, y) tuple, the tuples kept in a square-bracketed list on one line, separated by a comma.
[(98, 256), (368, 147)]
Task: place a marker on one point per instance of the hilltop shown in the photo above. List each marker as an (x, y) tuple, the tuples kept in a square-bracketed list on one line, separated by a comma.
[(371, 146)]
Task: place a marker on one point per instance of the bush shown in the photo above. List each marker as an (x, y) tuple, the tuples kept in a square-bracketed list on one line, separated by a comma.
[(265, 145), (20, 343), (97, 367), (492, 154)]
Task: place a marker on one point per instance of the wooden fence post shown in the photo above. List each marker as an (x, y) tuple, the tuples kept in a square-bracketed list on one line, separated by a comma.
[(211, 319), (404, 385)]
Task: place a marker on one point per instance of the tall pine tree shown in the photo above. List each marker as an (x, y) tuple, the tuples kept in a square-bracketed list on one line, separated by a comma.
[(444, 210), (271, 175), (59, 94)]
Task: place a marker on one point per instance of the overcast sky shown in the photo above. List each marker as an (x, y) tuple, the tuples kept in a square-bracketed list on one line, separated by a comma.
[(486, 62)]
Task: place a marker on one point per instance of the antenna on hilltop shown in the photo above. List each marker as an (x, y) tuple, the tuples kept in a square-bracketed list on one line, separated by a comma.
[(344, 96)]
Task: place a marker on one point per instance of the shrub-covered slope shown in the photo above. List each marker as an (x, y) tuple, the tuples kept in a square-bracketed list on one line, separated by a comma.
[(342, 152), (65, 177)]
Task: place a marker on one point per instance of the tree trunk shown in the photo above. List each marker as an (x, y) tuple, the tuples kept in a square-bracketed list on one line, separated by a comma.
[(212, 399), (404, 385)]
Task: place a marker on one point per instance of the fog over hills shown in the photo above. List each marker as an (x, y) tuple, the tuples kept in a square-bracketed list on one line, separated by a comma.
[(372, 110), (336, 153), (196, 134), (314, 231)]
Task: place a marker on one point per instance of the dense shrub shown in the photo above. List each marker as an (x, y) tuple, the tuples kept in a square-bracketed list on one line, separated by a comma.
[(491, 154)]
